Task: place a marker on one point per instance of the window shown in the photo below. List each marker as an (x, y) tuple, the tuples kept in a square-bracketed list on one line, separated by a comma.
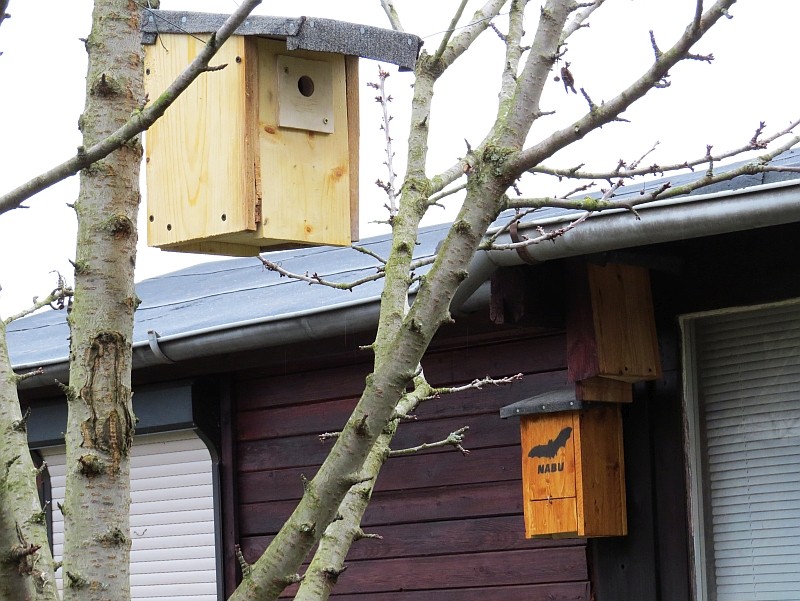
[(742, 391), (172, 516)]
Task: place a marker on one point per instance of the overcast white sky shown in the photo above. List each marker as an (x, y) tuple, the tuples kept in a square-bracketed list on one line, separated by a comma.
[(43, 66)]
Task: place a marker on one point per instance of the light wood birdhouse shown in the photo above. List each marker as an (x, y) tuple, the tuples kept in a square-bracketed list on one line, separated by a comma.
[(262, 154)]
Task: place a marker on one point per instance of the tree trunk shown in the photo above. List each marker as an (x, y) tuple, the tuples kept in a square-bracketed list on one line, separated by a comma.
[(101, 422), (26, 565)]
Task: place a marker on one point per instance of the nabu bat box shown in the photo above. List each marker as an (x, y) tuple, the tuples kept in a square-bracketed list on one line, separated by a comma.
[(573, 479)]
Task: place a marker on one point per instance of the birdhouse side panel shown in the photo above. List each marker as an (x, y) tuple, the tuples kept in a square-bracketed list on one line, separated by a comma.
[(353, 140), (601, 473), (201, 153), (305, 173)]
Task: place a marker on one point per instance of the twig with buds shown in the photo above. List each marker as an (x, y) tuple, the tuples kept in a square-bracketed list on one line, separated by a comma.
[(383, 99)]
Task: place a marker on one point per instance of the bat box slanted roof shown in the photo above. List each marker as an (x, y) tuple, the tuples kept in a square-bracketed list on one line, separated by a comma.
[(553, 401), (262, 154)]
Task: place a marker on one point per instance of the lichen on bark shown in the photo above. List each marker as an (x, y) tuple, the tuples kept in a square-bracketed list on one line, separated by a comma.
[(100, 421)]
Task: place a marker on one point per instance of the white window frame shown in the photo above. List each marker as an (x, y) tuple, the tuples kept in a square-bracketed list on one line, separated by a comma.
[(701, 561)]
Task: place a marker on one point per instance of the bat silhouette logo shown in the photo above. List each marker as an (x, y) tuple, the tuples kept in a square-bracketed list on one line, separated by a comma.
[(550, 450)]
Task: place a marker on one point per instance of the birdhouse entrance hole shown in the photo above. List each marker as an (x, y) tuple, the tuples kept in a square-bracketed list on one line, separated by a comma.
[(305, 94), (306, 85)]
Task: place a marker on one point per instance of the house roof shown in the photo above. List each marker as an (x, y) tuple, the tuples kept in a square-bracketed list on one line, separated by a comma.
[(300, 33), (236, 304)]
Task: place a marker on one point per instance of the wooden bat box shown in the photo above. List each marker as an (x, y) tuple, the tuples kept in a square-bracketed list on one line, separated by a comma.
[(611, 330), (573, 477), (262, 154)]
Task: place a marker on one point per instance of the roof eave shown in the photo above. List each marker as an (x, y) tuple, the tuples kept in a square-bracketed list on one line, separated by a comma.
[(663, 221)]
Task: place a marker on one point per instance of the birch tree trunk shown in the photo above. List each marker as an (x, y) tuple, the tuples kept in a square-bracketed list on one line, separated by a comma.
[(101, 422)]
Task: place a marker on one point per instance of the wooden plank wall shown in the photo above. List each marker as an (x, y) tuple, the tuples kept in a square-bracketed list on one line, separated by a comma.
[(452, 525)]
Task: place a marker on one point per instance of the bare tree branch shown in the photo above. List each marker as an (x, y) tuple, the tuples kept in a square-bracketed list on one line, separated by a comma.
[(138, 123), (525, 109), (365, 251), (391, 13), (317, 279), (328, 561), (58, 295), (384, 99), (513, 40), (664, 191), (469, 33), (544, 236), (450, 29), (755, 143), (477, 384), (610, 110), (435, 198), (579, 20), (454, 439)]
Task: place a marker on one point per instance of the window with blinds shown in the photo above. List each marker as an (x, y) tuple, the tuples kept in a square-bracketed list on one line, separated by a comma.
[(173, 551), (743, 404)]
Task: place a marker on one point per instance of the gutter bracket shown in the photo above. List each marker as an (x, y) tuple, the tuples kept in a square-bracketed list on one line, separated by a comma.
[(152, 339), (516, 237)]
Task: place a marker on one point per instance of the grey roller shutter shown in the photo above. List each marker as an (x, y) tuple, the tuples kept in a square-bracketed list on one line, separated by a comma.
[(172, 517), (748, 387)]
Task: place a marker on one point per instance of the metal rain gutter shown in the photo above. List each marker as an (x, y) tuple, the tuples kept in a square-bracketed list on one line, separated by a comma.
[(662, 221), (302, 326), (679, 218)]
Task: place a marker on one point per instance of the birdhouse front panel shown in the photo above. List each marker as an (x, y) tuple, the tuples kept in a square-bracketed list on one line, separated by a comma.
[(551, 456), (200, 159), (261, 154), (303, 143), (548, 474)]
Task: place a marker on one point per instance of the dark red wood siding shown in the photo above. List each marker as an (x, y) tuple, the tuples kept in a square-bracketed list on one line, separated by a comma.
[(452, 525)]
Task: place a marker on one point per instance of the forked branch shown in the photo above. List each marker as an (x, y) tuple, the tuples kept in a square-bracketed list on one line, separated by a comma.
[(610, 110), (56, 299), (454, 439)]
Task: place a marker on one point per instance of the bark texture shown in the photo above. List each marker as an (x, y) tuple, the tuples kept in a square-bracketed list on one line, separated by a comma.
[(101, 422), (26, 565)]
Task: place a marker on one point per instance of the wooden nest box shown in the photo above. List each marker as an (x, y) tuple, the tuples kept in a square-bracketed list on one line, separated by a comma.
[(262, 154), (573, 464), (573, 475)]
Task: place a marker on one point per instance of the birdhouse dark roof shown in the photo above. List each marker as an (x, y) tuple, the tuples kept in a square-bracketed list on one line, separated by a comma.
[(300, 33)]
